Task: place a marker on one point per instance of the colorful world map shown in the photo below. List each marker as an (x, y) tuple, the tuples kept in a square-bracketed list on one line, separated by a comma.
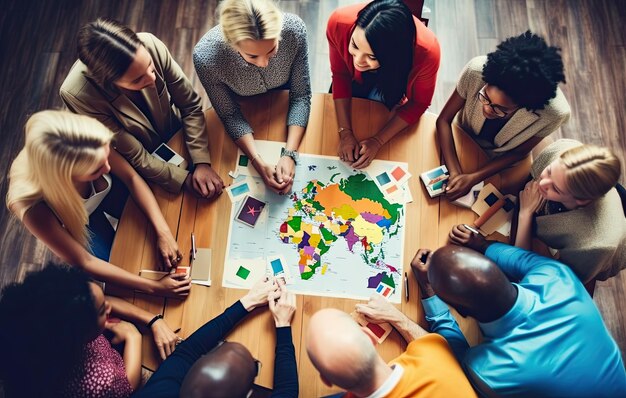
[(352, 211)]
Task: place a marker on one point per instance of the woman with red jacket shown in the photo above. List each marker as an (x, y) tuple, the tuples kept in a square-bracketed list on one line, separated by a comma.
[(380, 51)]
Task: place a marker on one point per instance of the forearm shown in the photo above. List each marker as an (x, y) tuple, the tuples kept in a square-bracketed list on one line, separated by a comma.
[(523, 237), (391, 129), (129, 312), (132, 359), (442, 322), (110, 273), (497, 165), (285, 368), (294, 137), (147, 203), (448, 148), (343, 110), (408, 329)]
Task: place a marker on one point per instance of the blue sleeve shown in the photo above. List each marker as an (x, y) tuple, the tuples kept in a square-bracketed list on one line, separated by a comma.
[(516, 263), (443, 323), (285, 368), (166, 381)]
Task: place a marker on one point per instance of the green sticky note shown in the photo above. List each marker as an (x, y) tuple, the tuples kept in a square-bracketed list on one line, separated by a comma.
[(243, 160), (243, 272)]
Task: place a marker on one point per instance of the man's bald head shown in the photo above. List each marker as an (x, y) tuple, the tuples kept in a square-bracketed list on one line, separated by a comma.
[(471, 283), (341, 351), (228, 371)]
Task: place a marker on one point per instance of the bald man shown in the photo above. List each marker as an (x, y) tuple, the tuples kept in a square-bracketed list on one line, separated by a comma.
[(345, 355), (203, 366), (542, 334)]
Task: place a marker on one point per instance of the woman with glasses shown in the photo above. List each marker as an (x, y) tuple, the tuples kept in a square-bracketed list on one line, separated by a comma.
[(507, 101)]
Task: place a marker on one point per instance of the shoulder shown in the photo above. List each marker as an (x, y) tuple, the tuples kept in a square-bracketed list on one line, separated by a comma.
[(471, 78), (342, 19), (293, 24), (157, 49), (211, 49), (557, 109), (475, 66), (76, 82), (426, 42)]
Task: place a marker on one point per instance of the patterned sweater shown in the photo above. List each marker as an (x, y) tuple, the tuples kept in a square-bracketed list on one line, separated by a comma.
[(226, 75)]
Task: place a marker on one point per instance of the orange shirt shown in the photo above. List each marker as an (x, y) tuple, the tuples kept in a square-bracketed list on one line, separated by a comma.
[(430, 370), (422, 77)]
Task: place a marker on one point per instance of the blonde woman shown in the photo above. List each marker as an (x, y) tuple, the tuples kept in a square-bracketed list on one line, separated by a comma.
[(576, 208), (61, 173), (254, 49)]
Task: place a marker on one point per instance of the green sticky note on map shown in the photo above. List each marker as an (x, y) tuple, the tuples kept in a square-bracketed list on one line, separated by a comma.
[(243, 160), (243, 272)]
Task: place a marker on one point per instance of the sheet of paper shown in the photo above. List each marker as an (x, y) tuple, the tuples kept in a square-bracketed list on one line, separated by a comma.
[(201, 267), (243, 273)]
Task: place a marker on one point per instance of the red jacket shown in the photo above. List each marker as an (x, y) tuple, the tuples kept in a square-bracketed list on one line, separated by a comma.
[(423, 75)]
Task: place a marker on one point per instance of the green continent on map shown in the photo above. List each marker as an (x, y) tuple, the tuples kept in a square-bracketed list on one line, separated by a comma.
[(352, 208)]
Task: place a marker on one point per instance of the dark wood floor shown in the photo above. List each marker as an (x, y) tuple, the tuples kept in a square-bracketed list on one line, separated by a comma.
[(37, 48)]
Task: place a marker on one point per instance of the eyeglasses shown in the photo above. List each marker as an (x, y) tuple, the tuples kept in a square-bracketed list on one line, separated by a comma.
[(482, 97)]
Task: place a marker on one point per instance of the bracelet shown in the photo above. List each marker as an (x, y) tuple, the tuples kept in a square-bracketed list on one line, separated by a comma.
[(258, 155), (342, 129), (156, 318)]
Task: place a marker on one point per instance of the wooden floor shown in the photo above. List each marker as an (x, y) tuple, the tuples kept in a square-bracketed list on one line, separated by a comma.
[(37, 48)]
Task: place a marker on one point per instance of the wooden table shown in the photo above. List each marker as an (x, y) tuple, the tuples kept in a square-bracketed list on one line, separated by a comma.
[(428, 223)]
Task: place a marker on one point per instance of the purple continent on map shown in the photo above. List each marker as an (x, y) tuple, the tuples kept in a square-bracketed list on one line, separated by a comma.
[(353, 209)]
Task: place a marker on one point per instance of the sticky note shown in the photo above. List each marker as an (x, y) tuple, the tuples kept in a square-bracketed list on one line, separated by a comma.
[(383, 178), (398, 173), (243, 272), (243, 160), (277, 266)]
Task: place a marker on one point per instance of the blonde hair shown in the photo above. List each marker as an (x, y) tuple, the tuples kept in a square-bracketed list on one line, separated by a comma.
[(59, 145), (590, 171), (250, 19)]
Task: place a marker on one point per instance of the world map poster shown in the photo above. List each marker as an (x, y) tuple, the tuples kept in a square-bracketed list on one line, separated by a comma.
[(335, 234)]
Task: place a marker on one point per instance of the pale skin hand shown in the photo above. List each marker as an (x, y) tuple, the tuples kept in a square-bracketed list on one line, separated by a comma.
[(379, 310), (531, 201), (204, 182), (259, 293), (174, 285), (127, 333), (282, 304), (285, 171)]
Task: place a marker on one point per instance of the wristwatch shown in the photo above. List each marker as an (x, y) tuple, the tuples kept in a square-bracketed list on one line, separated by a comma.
[(292, 154)]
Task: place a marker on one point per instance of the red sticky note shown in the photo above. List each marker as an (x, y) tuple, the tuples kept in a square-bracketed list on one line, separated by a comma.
[(377, 330), (398, 173)]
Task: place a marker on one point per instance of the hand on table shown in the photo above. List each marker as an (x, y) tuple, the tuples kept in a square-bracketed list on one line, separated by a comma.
[(368, 150), (530, 199), (459, 185), (285, 170), (122, 331), (174, 285), (205, 182), (268, 174), (164, 338), (459, 235), (378, 310), (419, 265), (259, 293), (282, 304), (348, 147), (168, 250)]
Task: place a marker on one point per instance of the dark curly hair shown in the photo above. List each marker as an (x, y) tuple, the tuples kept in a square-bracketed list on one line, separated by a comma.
[(46, 321), (526, 69)]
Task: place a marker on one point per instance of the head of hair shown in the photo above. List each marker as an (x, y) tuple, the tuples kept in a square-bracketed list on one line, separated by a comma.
[(526, 69), (107, 48), (590, 171), (59, 145), (227, 372), (342, 353), (471, 283), (390, 31), (250, 20), (46, 322)]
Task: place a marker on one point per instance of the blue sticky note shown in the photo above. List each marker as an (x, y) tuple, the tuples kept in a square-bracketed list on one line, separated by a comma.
[(277, 266), (383, 178), (240, 189)]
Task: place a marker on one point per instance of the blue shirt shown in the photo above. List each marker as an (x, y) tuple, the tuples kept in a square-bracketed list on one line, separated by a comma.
[(552, 342)]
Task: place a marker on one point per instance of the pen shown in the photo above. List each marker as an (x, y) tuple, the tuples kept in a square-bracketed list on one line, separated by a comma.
[(193, 246), (471, 229), (406, 287)]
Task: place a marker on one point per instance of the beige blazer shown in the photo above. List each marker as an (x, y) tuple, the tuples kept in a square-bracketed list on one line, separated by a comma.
[(172, 104), (522, 126), (591, 239)]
